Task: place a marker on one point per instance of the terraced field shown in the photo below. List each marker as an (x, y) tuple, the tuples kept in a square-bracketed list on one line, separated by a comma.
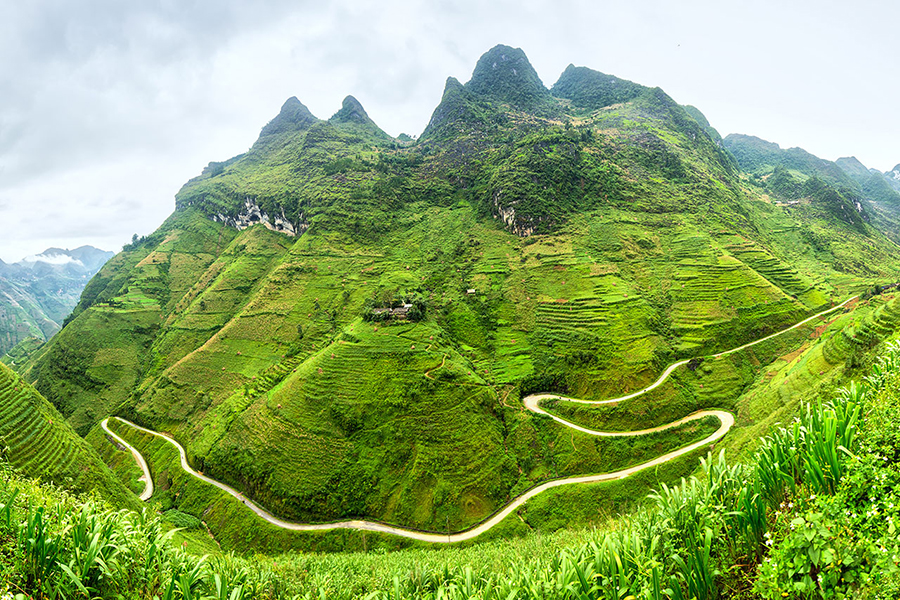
[(634, 244), (37, 440), (886, 313)]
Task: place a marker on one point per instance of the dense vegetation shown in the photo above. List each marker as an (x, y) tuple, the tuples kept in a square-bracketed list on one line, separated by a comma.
[(845, 188), (812, 514), (570, 240), (36, 439)]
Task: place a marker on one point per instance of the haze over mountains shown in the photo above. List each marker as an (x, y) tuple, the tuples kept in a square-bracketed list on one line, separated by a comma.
[(573, 239), (39, 292)]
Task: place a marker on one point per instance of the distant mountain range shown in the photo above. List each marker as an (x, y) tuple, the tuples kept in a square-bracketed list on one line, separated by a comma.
[(38, 292), (790, 174)]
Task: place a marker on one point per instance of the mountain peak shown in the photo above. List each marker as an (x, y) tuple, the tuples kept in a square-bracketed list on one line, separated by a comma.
[(352, 111), (294, 116), (454, 105), (853, 168), (592, 89), (504, 73)]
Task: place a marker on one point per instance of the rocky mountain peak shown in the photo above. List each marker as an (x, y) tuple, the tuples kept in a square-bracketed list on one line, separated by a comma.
[(294, 116), (592, 89), (352, 111), (504, 73)]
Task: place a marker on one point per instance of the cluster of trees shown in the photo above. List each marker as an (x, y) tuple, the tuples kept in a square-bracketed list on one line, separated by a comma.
[(404, 306)]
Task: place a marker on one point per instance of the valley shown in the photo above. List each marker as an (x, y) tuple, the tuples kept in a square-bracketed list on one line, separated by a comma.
[(535, 319), (532, 403)]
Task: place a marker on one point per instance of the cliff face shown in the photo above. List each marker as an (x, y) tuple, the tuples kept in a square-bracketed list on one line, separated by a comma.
[(252, 214)]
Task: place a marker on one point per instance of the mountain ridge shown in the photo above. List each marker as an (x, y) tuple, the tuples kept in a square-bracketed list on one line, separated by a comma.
[(38, 292)]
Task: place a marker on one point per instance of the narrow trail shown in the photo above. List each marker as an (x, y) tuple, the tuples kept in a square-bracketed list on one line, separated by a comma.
[(536, 398), (532, 403)]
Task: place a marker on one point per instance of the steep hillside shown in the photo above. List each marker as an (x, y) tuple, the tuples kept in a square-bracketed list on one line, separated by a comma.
[(840, 187), (37, 440), (575, 241), (39, 292)]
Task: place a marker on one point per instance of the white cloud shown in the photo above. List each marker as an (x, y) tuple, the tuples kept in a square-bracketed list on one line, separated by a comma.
[(53, 259)]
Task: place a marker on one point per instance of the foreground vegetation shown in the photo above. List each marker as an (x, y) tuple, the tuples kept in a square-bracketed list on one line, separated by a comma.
[(36, 439)]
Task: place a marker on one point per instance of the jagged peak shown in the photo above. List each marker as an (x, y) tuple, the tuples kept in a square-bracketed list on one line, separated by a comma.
[(452, 86), (352, 111), (353, 114), (293, 116), (504, 73), (453, 105)]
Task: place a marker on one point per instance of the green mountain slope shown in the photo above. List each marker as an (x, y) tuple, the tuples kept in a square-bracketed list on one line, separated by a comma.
[(846, 184), (38, 441), (550, 242)]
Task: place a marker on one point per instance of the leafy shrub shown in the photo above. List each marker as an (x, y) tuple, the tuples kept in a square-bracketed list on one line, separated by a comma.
[(181, 520)]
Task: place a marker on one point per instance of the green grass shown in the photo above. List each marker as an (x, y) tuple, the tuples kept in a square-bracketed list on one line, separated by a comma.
[(37, 440)]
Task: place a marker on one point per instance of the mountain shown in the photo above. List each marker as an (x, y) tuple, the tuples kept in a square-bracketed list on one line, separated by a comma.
[(841, 187), (876, 186), (893, 177), (341, 324), (38, 292), (587, 88)]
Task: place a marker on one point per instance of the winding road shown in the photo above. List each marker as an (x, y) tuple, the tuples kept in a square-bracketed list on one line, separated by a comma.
[(532, 403), (146, 478)]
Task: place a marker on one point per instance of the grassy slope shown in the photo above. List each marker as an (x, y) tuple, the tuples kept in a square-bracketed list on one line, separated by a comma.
[(38, 441), (493, 569), (248, 346)]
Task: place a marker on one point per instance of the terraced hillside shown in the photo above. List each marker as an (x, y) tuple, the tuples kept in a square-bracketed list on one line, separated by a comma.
[(38, 441), (560, 240)]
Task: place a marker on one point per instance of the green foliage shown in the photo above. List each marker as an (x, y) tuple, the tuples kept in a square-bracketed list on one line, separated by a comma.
[(181, 520), (718, 534), (250, 347), (66, 546), (504, 74), (594, 90), (37, 440)]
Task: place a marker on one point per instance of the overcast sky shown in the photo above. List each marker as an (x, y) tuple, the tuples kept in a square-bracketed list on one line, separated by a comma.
[(107, 106)]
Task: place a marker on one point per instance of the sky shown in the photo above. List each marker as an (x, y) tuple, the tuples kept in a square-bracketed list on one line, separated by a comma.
[(107, 107)]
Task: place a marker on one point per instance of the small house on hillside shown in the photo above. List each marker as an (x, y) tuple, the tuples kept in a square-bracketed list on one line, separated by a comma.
[(401, 312)]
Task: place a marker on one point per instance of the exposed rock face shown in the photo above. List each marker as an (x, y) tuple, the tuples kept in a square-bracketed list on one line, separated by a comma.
[(507, 214), (253, 214)]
